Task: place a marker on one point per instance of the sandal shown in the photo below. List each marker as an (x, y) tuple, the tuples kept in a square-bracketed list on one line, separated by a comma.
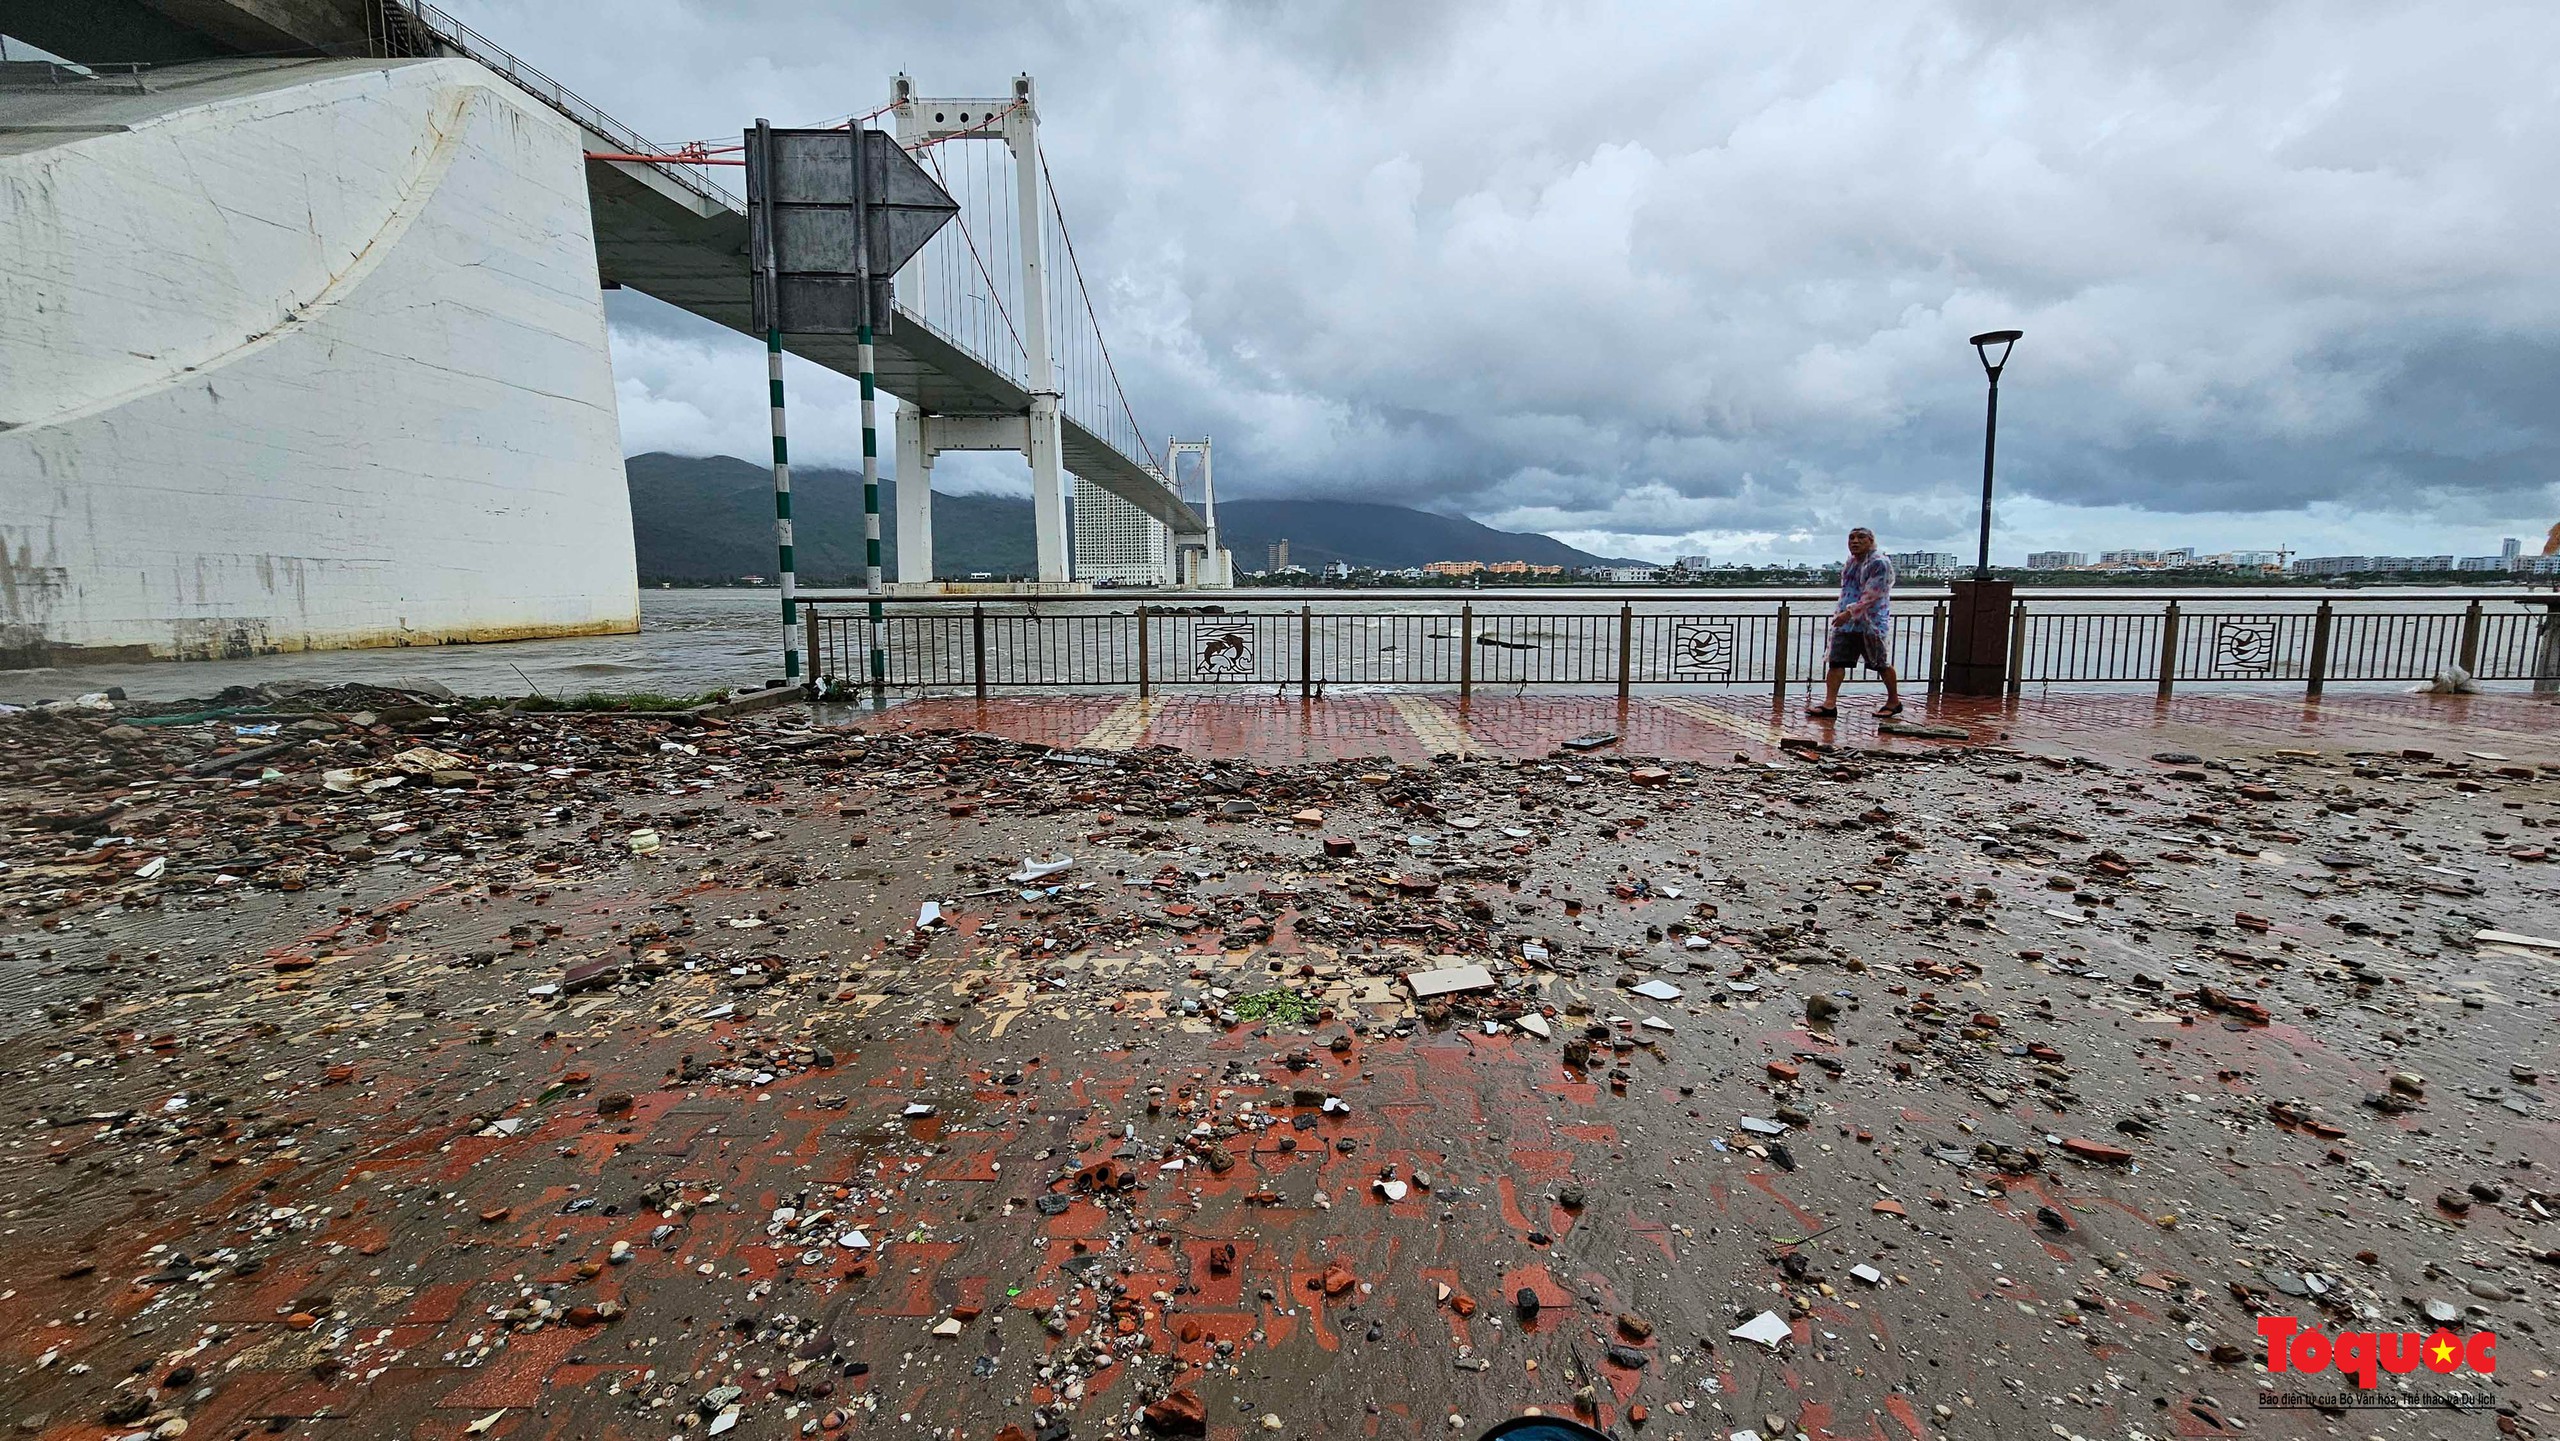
[(1821, 712), (1886, 712)]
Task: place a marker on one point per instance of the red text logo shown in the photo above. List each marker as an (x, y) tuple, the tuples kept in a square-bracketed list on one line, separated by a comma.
[(2366, 1354)]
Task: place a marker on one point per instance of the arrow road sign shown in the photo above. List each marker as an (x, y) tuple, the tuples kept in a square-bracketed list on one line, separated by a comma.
[(812, 212)]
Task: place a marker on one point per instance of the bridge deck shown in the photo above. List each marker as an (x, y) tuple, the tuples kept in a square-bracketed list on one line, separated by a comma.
[(668, 240)]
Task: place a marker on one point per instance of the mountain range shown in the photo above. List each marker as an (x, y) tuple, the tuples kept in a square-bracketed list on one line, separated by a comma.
[(710, 518)]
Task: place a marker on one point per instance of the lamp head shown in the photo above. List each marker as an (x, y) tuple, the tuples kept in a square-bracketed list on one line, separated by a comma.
[(1982, 346)]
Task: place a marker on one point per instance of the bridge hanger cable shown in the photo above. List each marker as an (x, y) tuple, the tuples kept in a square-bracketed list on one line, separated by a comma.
[(1086, 292), (962, 221)]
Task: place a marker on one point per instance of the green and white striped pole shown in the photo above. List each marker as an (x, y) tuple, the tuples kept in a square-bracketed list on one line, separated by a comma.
[(870, 412), (782, 510), (871, 517), (761, 138)]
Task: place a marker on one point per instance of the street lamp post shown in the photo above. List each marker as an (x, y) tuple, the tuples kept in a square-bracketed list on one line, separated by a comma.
[(1990, 431), (1978, 610)]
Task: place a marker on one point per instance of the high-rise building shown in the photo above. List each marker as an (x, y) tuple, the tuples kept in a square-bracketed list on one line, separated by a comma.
[(1689, 562), (2512, 549), (1117, 542), (2057, 559), (1277, 555), (1920, 563)]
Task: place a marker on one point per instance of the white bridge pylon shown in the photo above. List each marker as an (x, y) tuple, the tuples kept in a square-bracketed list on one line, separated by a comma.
[(1199, 562), (1002, 305), (969, 288)]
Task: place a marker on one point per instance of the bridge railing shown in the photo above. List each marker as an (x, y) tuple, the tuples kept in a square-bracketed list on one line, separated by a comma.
[(1699, 640), (458, 36)]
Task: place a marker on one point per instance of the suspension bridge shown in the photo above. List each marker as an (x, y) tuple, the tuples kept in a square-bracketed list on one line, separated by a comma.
[(305, 346), (995, 343)]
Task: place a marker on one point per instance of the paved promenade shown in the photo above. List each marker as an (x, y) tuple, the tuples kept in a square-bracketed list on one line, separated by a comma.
[(1710, 724)]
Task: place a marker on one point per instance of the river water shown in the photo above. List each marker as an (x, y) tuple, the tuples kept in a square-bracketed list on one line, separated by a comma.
[(692, 641)]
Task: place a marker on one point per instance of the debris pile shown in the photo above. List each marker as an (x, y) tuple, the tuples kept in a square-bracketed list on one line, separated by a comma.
[(461, 1070)]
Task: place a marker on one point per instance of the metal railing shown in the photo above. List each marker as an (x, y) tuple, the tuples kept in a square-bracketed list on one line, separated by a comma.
[(469, 42), (959, 645)]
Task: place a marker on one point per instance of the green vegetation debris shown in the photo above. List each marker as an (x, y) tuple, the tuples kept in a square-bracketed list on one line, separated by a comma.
[(1294, 1007)]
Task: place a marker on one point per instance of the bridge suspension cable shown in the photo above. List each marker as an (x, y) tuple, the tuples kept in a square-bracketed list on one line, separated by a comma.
[(1085, 293)]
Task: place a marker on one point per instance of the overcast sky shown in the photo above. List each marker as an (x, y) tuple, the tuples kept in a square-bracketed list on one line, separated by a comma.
[(1691, 276)]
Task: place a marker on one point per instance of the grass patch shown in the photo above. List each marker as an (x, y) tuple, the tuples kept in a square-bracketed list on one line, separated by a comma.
[(1293, 1007)]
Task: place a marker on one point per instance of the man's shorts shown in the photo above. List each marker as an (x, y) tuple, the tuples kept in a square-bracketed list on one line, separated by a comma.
[(1849, 647)]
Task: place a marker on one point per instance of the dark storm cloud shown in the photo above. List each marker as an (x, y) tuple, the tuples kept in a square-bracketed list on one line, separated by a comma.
[(1686, 275)]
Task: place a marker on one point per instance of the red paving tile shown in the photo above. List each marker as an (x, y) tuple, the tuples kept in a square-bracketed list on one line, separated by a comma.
[(1718, 724)]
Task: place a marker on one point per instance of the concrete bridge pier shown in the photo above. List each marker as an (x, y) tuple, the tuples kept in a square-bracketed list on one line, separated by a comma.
[(915, 500), (923, 437)]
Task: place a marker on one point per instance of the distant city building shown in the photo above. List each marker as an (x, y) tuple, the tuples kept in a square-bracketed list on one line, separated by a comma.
[(2179, 558), (1117, 542), (1914, 564), (1277, 555), (1339, 570), (1632, 574), (2371, 564), (1453, 567), (2128, 557), (1689, 562), (2511, 549), (1521, 567), (2486, 562), (2250, 559), (2057, 559)]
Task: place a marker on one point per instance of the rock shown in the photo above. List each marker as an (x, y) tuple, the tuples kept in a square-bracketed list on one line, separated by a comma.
[(1179, 1413)]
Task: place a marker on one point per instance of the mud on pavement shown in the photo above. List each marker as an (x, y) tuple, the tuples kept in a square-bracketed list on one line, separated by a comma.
[(451, 1073)]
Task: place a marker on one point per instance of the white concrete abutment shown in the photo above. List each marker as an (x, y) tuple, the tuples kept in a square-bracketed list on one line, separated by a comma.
[(301, 354)]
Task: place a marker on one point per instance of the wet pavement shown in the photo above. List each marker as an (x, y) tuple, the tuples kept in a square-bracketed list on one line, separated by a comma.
[(453, 1073)]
